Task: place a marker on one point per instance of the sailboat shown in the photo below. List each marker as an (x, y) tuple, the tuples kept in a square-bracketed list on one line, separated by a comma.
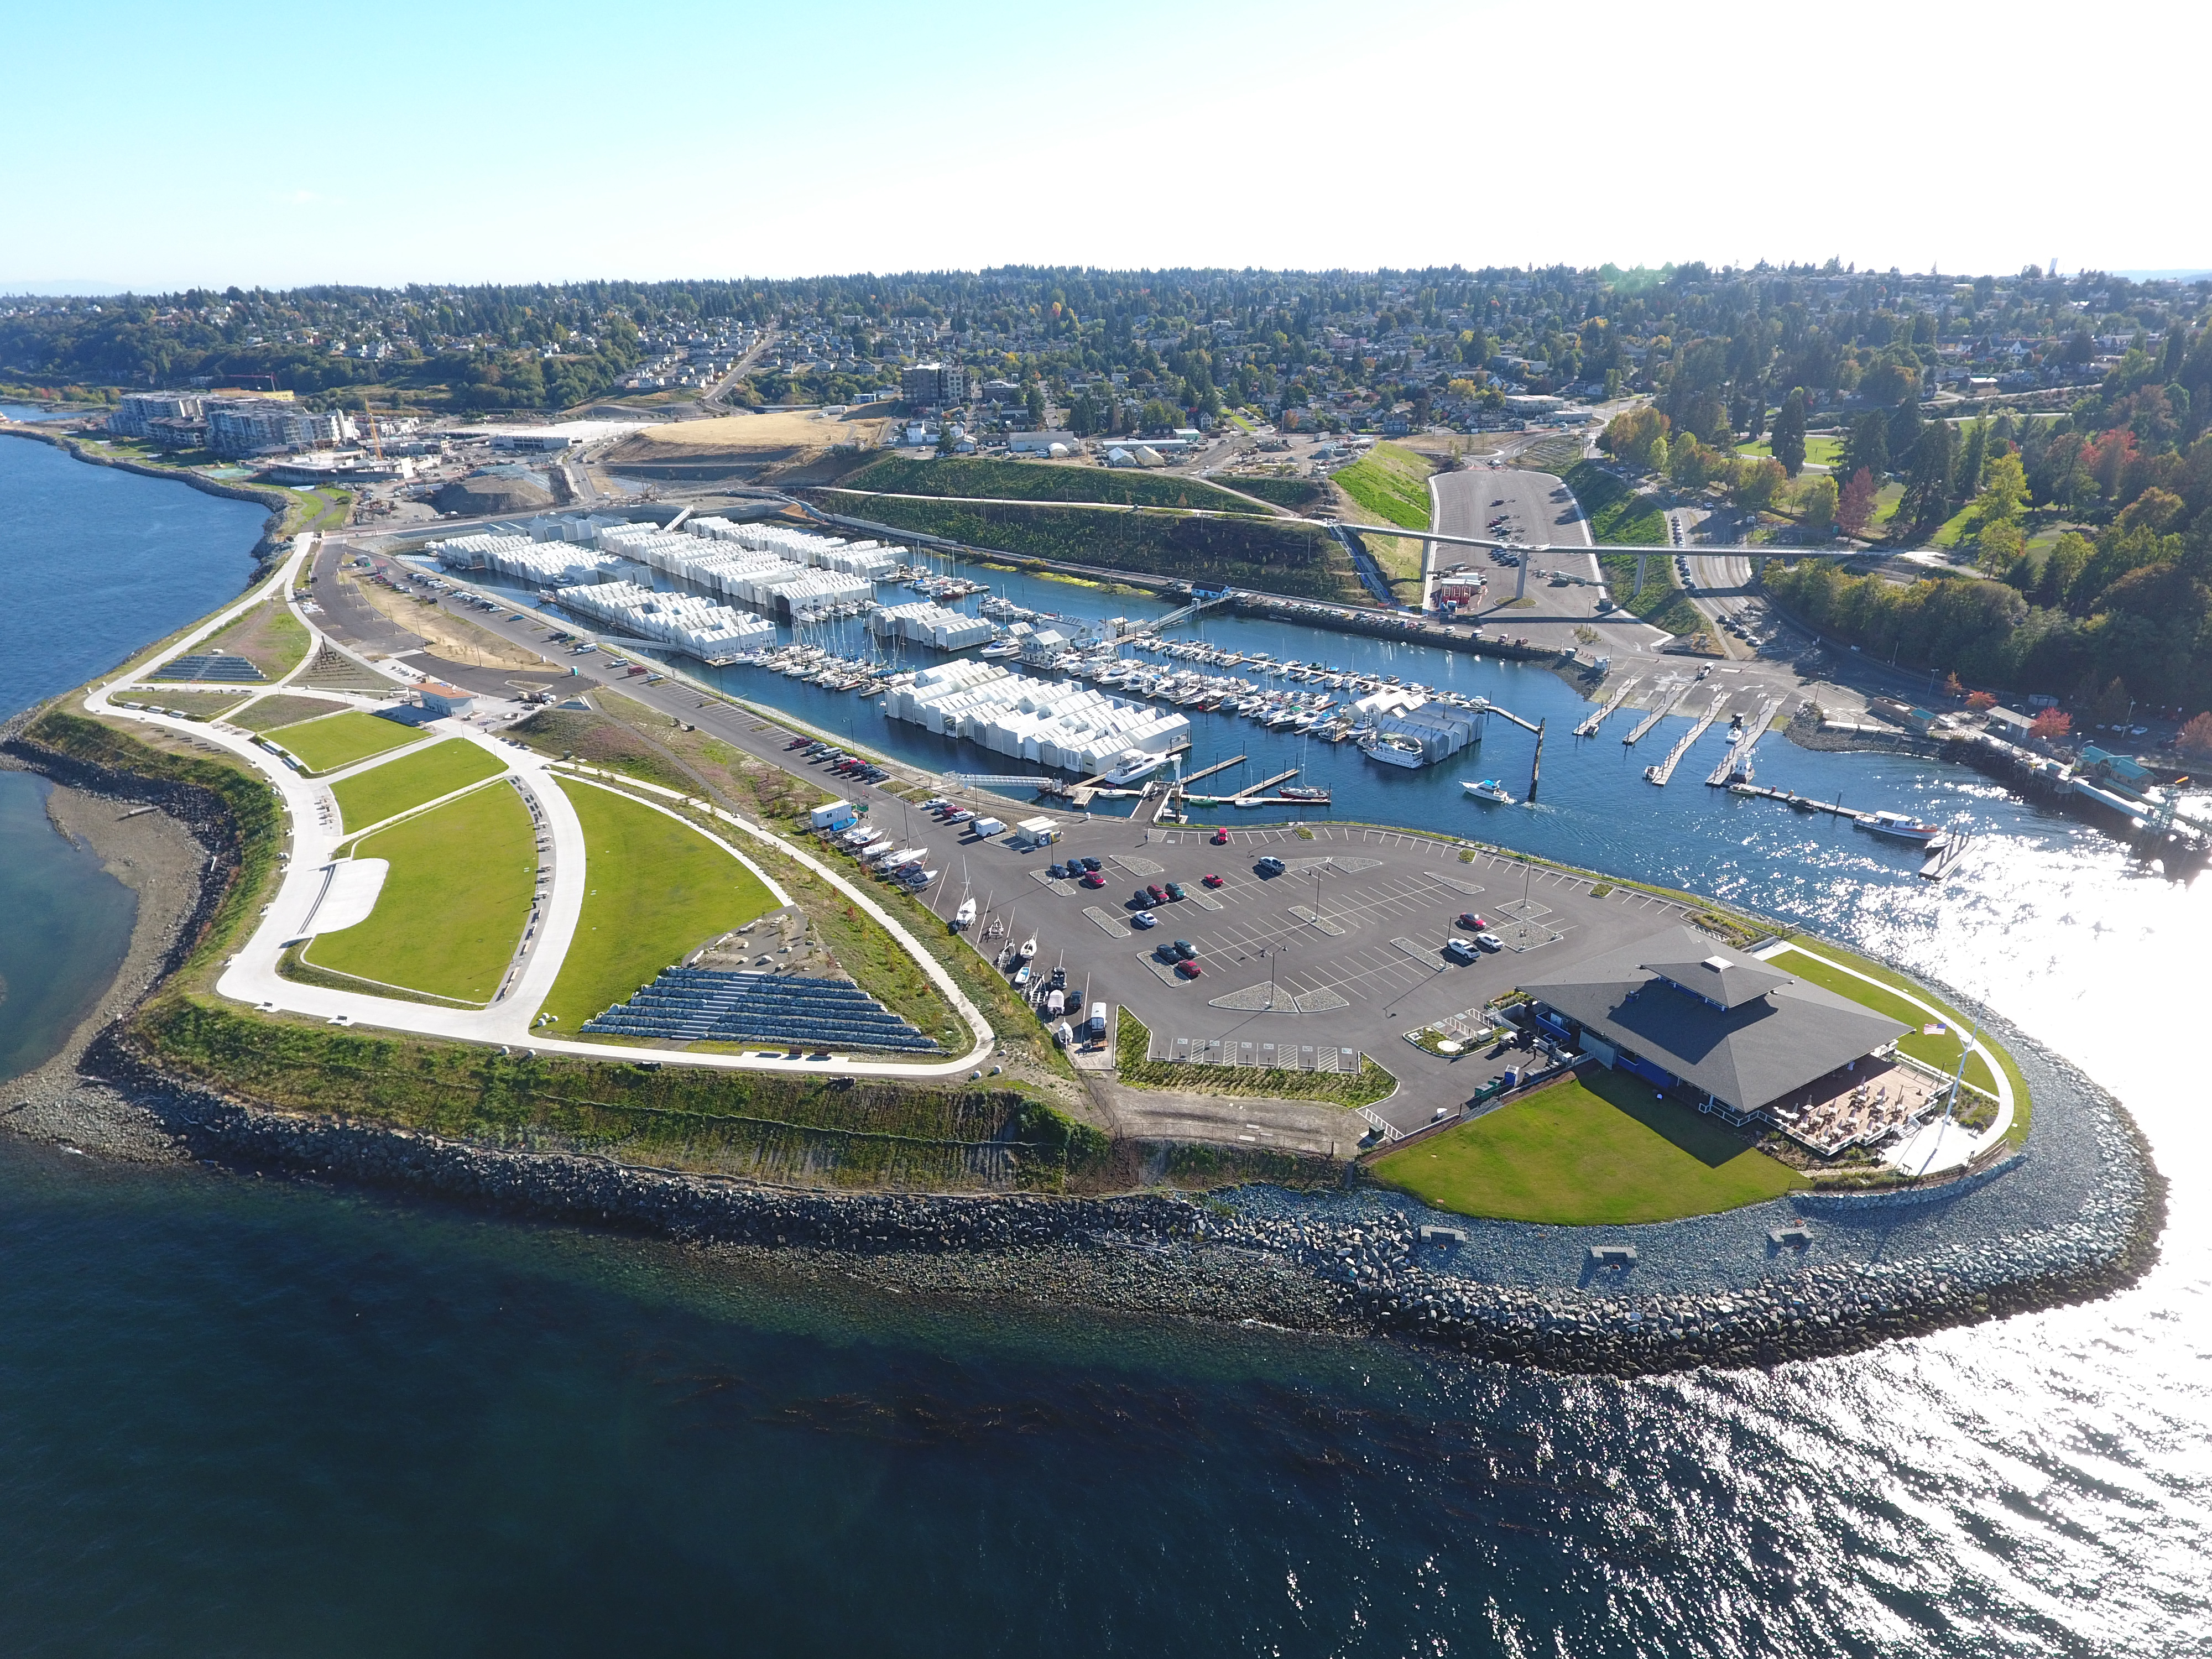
[(965, 916), (1028, 947)]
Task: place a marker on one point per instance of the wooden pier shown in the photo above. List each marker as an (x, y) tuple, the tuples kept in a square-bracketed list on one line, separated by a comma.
[(1589, 727), (1665, 769), (1945, 853), (1668, 696)]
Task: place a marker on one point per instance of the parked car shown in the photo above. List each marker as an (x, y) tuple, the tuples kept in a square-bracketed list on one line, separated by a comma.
[(1144, 918), (1189, 969), (1468, 918), (1210, 881), (1186, 950), (1156, 894), (1175, 891), (1141, 899), (1490, 941), (1460, 950), (1057, 871), (1221, 838), (1270, 866), (1091, 865), (1092, 879)]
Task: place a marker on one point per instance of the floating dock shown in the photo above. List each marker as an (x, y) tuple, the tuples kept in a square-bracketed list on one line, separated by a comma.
[(1665, 769), (1668, 696), (1589, 727), (1736, 764)]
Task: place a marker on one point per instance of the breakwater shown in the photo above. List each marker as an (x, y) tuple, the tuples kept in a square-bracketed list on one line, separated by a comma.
[(1717, 1290)]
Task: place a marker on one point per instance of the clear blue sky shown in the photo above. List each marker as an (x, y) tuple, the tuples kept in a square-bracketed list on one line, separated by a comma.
[(157, 145)]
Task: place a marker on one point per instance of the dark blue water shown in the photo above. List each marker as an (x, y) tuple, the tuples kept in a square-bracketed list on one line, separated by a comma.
[(246, 1417), (99, 561)]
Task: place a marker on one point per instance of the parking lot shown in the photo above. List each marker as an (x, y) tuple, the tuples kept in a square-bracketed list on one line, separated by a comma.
[(1343, 951)]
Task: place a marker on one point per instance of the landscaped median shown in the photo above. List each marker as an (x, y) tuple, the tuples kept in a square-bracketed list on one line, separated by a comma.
[(1133, 1041)]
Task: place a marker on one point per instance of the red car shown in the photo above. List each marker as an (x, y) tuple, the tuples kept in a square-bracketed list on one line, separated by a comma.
[(1156, 895), (1210, 881), (1189, 969), (1092, 879), (1468, 918), (1221, 838)]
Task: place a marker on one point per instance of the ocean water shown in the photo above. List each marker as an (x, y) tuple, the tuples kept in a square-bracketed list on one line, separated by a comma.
[(247, 1416)]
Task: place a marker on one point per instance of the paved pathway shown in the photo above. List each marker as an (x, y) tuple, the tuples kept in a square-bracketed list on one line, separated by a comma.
[(251, 975)]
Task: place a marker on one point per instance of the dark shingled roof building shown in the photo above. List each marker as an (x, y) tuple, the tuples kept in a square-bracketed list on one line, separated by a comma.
[(1679, 1008)]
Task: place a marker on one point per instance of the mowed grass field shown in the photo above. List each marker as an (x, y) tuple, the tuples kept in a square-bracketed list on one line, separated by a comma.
[(1592, 1149), (453, 906), (1940, 1052), (1822, 448), (408, 781), (654, 891), (326, 743)]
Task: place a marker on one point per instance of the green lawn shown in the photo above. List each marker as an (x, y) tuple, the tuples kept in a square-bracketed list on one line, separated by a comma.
[(453, 905), (1594, 1149), (334, 740), (655, 890), (1940, 1052), (1820, 448), (383, 791), (1392, 483)]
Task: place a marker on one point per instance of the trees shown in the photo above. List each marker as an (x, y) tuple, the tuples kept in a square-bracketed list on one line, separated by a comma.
[(2196, 739), (1633, 434), (1928, 481), (1814, 499), (1867, 448), (1754, 481), (1787, 439), (2051, 725), (1855, 502)]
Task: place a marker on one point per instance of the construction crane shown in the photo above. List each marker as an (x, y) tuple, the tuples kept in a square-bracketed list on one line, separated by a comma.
[(376, 442)]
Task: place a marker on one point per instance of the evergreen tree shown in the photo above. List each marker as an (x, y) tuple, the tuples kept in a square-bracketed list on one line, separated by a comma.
[(1967, 481), (1787, 441), (1928, 480), (1904, 429), (1867, 447)]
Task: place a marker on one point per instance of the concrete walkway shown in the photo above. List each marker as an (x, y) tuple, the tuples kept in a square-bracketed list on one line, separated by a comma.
[(1937, 1146), (251, 975)]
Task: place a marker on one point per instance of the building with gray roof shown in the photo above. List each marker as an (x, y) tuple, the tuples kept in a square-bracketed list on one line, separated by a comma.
[(1680, 1009)]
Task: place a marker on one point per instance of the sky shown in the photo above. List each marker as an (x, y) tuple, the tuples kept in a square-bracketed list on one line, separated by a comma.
[(154, 147)]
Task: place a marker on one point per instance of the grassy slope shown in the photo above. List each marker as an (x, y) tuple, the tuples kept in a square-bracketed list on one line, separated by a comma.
[(284, 709), (411, 780), (1618, 514), (1031, 481), (331, 741), (1247, 551), (655, 890), (1940, 1052), (269, 636), (1585, 1152), (453, 905), (1297, 493), (1391, 483)]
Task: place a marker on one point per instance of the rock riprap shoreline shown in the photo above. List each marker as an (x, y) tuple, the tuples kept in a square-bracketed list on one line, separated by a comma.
[(2078, 1216)]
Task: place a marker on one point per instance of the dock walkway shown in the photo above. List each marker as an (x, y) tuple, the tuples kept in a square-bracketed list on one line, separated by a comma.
[(1670, 693), (1665, 769)]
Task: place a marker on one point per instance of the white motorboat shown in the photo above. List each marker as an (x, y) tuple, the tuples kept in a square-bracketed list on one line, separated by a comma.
[(1135, 763), (1898, 826), (1489, 790), (1028, 947), (1397, 752)]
